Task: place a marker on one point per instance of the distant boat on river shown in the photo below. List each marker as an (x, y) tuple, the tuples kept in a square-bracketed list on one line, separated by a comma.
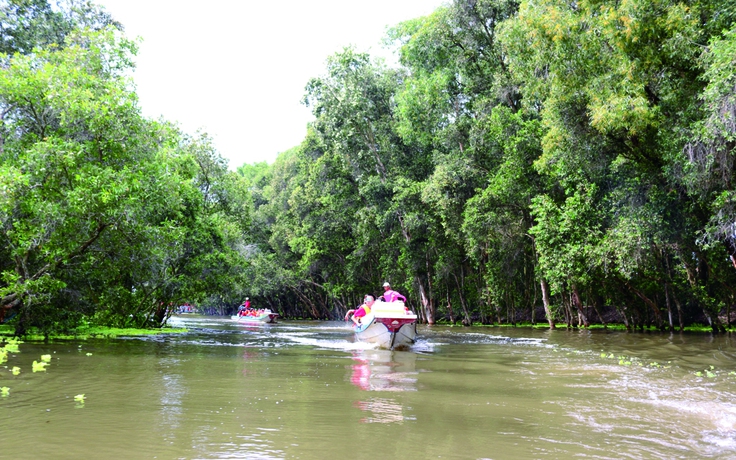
[(186, 308), (257, 317)]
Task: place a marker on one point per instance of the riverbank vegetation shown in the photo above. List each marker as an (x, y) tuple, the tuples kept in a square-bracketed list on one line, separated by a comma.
[(543, 161)]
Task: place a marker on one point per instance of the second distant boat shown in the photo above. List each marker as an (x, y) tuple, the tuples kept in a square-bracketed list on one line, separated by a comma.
[(258, 317)]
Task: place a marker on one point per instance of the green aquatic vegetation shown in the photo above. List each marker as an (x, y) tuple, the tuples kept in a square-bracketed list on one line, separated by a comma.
[(46, 358), (16, 370), (709, 373), (39, 367), (89, 354), (80, 398), (95, 332), (3, 355), (4, 392), (629, 361)]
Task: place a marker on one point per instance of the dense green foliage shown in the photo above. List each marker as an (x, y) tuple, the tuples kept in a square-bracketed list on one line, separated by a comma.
[(581, 152), (104, 215), (573, 160)]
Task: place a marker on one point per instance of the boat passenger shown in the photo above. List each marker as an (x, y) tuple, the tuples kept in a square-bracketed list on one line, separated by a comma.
[(363, 310), (390, 295), (244, 307)]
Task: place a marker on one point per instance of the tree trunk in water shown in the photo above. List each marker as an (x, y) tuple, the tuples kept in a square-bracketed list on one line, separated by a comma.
[(650, 303), (669, 307), (461, 287), (568, 311), (701, 273), (449, 307), (728, 313), (427, 306), (545, 301), (579, 304), (597, 306)]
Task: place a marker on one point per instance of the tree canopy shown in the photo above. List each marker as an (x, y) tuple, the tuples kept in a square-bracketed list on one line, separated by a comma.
[(525, 160)]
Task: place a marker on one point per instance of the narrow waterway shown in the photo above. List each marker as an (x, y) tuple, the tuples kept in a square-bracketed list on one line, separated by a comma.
[(306, 390)]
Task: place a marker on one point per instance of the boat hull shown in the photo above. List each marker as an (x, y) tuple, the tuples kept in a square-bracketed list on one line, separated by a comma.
[(389, 325), (265, 318), (388, 336)]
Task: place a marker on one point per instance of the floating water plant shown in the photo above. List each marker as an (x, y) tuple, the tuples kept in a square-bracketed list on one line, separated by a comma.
[(89, 354), (80, 398), (4, 392), (46, 358), (708, 373), (16, 370), (39, 367)]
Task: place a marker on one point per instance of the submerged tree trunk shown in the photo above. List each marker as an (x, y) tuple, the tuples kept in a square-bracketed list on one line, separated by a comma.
[(427, 306), (566, 307), (669, 306), (700, 274), (579, 304), (651, 304), (547, 306), (449, 307), (598, 304), (461, 287)]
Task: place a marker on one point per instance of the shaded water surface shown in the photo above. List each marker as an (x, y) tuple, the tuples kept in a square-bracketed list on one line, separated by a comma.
[(305, 390)]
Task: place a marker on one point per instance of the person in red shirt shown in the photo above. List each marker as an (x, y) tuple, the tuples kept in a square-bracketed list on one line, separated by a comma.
[(244, 308)]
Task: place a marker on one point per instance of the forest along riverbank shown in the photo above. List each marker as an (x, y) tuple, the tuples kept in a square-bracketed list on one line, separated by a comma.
[(307, 390)]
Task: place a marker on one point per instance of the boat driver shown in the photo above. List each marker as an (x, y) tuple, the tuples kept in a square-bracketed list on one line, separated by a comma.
[(390, 295)]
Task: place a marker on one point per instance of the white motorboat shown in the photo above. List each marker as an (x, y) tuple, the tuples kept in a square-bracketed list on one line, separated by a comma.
[(389, 325), (255, 317)]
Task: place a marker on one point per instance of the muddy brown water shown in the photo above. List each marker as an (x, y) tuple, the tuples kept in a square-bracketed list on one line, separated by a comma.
[(306, 390)]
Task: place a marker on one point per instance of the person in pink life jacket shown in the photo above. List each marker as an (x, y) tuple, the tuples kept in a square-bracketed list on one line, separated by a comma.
[(363, 310), (390, 295)]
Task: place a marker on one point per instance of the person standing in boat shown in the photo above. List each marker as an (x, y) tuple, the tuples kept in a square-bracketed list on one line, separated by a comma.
[(390, 295), (363, 310), (244, 307)]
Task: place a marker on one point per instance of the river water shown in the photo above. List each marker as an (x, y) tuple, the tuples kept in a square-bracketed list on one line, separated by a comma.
[(306, 390)]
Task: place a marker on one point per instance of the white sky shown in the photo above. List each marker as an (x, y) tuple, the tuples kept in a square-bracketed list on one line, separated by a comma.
[(237, 69)]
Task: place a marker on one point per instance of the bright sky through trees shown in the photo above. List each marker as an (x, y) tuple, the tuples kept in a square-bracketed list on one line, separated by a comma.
[(238, 69)]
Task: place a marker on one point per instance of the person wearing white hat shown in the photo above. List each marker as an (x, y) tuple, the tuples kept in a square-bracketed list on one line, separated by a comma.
[(390, 295)]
